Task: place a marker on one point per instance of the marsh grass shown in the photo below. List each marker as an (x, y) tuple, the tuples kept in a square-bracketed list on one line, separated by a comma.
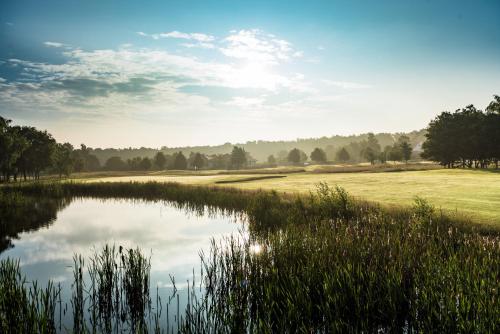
[(318, 263), (349, 273), (25, 307)]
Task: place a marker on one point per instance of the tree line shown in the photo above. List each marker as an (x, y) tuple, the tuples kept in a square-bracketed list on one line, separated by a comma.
[(465, 138), (365, 150), (26, 152), (238, 158)]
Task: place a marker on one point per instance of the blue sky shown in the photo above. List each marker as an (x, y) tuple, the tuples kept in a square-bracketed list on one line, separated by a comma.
[(154, 73)]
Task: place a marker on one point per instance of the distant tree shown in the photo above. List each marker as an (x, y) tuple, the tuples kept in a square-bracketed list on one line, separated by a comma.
[(318, 155), (180, 161), (238, 157), (370, 154), (134, 163), (371, 149), (63, 159), (92, 163), (115, 163), (342, 155), (395, 153), (294, 156), (160, 160), (384, 154), (219, 161), (271, 160), (145, 164), (406, 150), (198, 161)]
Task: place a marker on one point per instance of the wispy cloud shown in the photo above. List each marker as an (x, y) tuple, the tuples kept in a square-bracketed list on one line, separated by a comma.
[(255, 45), (200, 40), (54, 44), (180, 35), (346, 84)]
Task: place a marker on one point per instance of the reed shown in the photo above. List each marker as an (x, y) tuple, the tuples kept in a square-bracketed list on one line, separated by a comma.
[(318, 263)]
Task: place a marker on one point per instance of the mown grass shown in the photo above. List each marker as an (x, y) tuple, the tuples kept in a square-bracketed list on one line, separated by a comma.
[(471, 193)]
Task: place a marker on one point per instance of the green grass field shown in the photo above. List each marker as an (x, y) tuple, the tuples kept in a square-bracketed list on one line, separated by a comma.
[(470, 193)]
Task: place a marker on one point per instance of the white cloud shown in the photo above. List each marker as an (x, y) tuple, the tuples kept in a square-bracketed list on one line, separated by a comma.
[(199, 45), (346, 84), (254, 45), (54, 44), (130, 81), (182, 35)]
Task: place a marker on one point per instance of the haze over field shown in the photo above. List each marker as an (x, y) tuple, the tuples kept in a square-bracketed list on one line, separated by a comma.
[(127, 73)]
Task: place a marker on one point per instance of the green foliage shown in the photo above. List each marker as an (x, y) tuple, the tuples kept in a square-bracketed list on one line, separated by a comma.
[(296, 156), (342, 155), (115, 163), (422, 208), (238, 157), (318, 155), (180, 161), (468, 137), (198, 161), (271, 160), (160, 161)]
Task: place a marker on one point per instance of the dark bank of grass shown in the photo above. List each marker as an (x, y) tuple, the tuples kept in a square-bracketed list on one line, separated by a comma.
[(321, 263)]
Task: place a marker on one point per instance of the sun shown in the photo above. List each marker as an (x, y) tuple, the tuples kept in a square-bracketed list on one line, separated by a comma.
[(257, 75)]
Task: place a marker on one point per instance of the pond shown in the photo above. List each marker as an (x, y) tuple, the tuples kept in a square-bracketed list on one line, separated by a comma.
[(53, 231)]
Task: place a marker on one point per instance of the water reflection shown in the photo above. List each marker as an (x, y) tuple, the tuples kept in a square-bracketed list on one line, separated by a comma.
[(173, 237)]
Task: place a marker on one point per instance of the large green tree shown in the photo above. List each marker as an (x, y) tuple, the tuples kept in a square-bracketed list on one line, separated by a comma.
[(63, 161)]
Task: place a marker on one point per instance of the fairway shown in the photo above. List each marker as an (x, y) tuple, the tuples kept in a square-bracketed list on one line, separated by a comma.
[(472, 193)]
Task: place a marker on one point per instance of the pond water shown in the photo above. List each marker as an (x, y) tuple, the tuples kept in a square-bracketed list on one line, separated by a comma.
[(172, 237)]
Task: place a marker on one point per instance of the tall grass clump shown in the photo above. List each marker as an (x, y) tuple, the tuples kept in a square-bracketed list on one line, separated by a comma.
[(25, 307), (338, 271)]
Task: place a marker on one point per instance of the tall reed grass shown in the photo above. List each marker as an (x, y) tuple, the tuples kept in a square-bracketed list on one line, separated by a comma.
[(317, 263)]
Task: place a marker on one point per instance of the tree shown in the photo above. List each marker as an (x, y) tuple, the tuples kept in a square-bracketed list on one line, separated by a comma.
[(395, 153), (342, 155), (160, 160), (271, 160), (198, 161), (115, 163), (180, 161), (294, 156), (63, 159), (238, 157), (494, 106), (406, 150), (318, 155), (145, 164), (370, 154), (371, 148)]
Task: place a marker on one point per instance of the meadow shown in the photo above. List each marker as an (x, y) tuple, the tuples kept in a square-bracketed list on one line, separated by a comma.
[(472, 194)]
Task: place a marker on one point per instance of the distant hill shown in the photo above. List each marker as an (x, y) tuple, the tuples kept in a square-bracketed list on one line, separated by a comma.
[(260, 149)]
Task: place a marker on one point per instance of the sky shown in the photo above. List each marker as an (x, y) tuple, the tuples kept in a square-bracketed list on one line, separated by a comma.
[(182, 73)]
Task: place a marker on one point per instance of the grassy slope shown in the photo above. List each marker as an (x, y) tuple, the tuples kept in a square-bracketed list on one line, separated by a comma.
[(473, 193)]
